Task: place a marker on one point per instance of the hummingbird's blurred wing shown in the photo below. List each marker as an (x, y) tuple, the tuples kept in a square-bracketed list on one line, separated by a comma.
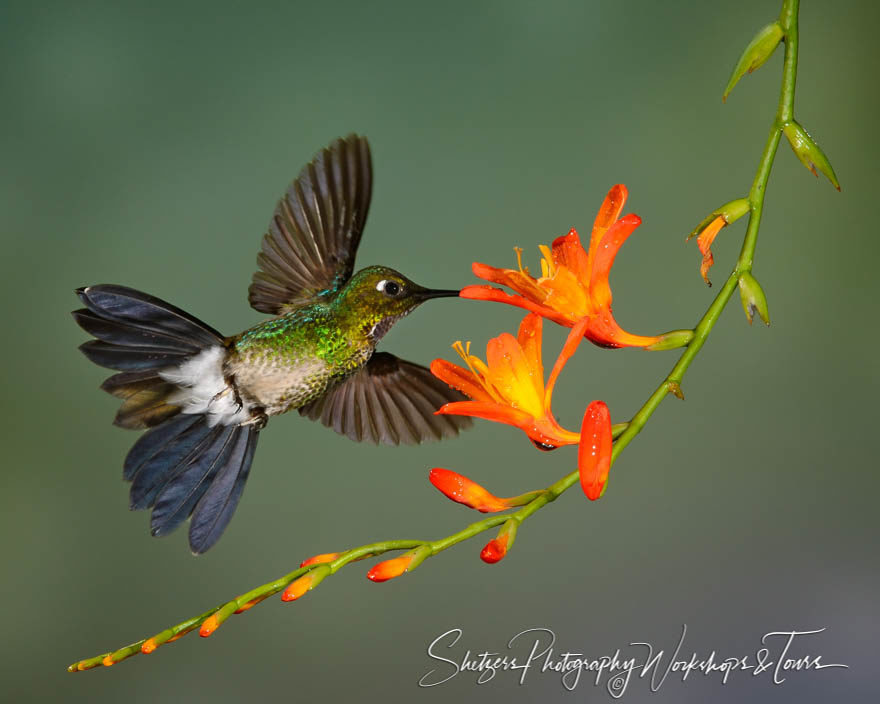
[(312, 240), (389, 401)]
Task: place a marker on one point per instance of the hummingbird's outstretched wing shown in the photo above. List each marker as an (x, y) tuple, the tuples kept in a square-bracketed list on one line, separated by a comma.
[(312, 240), (389, 401)]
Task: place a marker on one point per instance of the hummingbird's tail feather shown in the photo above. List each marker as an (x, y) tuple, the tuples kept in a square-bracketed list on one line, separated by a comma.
[(140, 336), (195, 458), (186, 467)]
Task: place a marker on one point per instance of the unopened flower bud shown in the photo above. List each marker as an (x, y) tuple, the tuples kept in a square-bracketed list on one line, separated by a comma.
[(495, 550), (323, 557), (809, 153), (753, 298), (594, 450), (672, 340), (464, 491), (760, 49), (307, 582), (389, 569)]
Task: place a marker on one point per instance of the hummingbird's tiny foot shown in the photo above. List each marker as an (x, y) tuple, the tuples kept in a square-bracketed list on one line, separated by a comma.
[(221, 394), (225, 392), (258, 418)]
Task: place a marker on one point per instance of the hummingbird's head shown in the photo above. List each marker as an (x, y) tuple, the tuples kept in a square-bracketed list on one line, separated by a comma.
[(378, 297)]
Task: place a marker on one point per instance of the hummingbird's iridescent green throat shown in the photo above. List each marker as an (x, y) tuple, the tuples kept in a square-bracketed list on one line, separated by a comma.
[(204, 397)]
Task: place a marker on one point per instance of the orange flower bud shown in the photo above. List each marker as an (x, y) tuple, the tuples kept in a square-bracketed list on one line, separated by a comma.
[(249, 605), (209, 626), (495, 550), (323, 557), (594, 451), (308, 581), (464, 491), (389, 569), (297, 588)]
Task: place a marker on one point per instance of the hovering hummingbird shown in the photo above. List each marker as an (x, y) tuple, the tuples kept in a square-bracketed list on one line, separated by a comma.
[(205, 397)]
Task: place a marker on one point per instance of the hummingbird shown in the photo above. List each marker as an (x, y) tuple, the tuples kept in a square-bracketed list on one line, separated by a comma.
[(204, 398)]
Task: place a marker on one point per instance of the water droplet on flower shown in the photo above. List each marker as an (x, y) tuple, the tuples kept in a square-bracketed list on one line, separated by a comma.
[(543, 446)]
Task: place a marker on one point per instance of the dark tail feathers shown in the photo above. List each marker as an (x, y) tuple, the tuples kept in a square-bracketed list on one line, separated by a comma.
[(181, 466), (139, 335)]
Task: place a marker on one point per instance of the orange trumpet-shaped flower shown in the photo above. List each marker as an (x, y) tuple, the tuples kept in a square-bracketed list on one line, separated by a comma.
[(594, 451), (573, 285), (464, 491), (509, 386)]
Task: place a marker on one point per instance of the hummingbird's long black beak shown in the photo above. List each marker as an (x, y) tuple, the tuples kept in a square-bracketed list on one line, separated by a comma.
[(427, 293)]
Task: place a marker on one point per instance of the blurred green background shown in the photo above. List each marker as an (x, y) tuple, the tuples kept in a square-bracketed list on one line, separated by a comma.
[(147, 145)]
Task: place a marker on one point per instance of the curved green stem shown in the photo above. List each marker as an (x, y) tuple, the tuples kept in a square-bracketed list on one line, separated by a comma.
[(788, 19), (624, 433)]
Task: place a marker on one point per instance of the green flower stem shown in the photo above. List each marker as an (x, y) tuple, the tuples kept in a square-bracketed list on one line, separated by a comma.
[(788, 18), (624, 433)]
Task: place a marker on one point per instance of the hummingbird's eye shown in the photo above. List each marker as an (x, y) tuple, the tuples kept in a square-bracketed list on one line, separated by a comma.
[(388, 287)]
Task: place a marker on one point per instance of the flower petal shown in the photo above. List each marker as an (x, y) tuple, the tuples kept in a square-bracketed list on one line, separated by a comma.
[(608, 214), (569, 252), (529, 338), (487, 410), (604, 331), (510, 374), (567, 294), (541, 430), (594, 450), (459, 378), (490, 293), (704, 242), (519, 281), (568, 349), (603, 258)]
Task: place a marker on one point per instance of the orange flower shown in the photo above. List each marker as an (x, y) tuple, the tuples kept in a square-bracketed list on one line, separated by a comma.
[(704, 243), (573, 285), (510, 388), (594, 451)]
